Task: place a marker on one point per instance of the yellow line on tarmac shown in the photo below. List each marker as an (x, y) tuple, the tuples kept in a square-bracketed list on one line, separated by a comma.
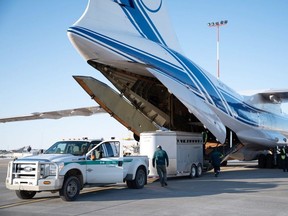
[(151, 180), (24, 203), (96, 189), (85, 191)]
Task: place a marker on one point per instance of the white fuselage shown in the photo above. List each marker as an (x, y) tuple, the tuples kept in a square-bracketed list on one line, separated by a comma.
[(113, 35)]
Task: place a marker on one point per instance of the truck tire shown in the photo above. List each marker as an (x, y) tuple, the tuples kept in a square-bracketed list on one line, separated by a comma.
[(199, 170), (193, 172), (70, 189), (140, 179), (22, 194)]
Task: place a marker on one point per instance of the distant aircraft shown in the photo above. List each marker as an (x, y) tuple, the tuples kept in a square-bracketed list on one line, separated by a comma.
[(132, 44)]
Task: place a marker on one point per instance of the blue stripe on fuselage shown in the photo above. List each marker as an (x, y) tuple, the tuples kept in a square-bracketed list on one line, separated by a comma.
[(145, 26), (204, 80), (175, 72), (242, 111), (141, 21), (149, 59)]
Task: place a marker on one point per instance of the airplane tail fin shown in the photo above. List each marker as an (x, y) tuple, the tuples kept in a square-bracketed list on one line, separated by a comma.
[(140, 18)]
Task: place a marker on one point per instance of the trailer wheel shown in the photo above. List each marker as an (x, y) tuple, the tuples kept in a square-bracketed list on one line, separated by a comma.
[(22, 194), (199, 170), (140, 179), (70, 189), (193, 172)]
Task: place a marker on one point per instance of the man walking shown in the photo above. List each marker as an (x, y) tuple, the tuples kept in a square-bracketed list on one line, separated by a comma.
[(284, 158), (216, 161), (160, 157)]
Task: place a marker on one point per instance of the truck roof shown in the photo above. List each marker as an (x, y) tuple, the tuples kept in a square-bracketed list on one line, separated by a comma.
[(86, 139)]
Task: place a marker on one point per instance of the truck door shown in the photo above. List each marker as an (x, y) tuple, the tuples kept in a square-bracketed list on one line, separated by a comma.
[(103, 166)]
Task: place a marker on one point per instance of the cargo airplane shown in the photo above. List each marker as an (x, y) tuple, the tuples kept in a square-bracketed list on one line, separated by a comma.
[(132, 43)]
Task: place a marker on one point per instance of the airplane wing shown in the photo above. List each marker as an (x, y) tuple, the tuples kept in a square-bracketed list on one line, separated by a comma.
[(275, 96), (84, 111)]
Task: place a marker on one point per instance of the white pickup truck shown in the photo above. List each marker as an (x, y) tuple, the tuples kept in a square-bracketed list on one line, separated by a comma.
[(68, 166)]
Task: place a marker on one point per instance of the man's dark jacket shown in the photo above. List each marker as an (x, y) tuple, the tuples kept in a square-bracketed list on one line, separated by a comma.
[(159, 157)]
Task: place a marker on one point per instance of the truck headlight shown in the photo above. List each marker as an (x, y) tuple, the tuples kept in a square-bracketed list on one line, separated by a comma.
[(50, 169), (53, 168)]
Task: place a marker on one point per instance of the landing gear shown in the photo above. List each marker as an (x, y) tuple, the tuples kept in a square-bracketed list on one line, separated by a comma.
[(266, 161), (262, 161)]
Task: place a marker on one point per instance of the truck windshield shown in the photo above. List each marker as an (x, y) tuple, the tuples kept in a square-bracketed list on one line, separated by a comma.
[(69, 147)]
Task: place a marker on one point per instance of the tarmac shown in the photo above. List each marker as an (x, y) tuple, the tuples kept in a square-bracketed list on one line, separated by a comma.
[(240, 189)]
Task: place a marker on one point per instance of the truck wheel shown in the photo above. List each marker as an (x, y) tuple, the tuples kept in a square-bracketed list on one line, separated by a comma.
[(193, 171), (70, 189), (22, 194), (199, 170), (140, 179)]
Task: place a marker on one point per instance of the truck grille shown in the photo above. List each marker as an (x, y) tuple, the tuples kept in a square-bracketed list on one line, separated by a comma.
[(30, 170), (25, 170)]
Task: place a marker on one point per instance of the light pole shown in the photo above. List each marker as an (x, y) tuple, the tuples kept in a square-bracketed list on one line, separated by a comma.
[(218, 24)]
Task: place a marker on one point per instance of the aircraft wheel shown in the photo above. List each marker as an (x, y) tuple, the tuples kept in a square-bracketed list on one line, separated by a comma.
[(262, 161), (269, 161)]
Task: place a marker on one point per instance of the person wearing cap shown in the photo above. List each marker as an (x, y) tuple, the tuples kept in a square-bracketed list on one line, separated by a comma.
[(160, 157)]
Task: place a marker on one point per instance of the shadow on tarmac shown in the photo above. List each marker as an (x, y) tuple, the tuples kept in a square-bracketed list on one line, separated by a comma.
[(233, 179), (229, 181)]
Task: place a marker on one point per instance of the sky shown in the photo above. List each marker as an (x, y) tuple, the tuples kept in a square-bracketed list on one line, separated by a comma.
[(37, 61)]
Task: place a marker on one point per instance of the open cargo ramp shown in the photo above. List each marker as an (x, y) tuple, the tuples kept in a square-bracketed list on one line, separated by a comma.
[(116, 105)]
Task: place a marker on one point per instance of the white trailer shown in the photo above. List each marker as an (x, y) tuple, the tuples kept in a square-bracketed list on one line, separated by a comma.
[(184, 149)]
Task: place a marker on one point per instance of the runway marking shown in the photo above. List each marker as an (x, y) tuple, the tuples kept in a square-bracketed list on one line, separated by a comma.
[(85, 191), (24, 202)]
